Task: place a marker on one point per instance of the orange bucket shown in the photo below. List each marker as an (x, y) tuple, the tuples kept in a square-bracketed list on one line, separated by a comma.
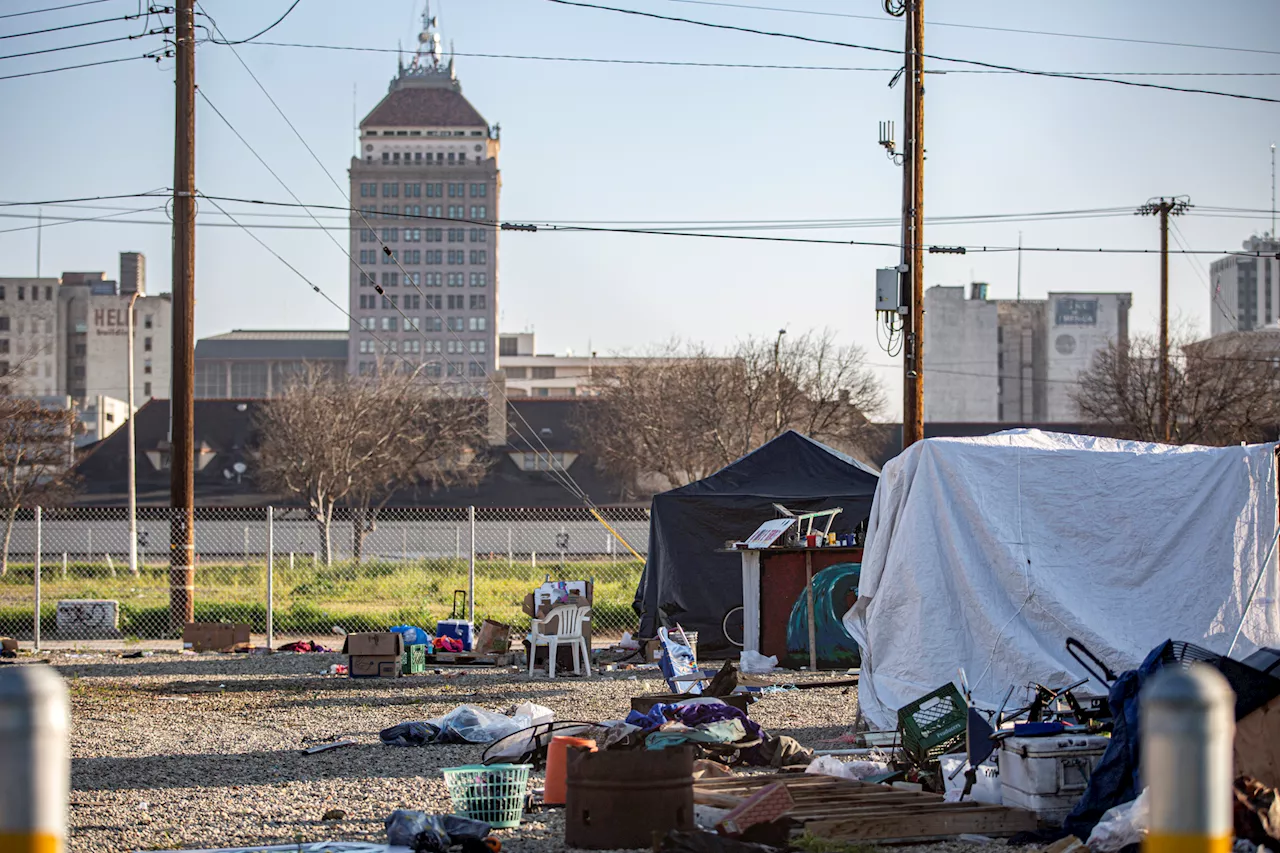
[(554, 788)]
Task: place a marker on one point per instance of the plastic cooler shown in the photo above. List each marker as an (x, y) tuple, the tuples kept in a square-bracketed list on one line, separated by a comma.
[(1048, 775)]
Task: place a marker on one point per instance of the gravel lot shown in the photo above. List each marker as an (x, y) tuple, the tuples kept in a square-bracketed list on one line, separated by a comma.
[(176, 751)]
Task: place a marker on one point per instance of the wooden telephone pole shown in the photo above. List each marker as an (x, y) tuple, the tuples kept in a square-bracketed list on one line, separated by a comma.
[(913, 226), (1164, 208), (182, 411)]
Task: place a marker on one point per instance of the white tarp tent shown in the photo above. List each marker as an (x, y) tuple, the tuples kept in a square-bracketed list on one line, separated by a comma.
[(988, 553)]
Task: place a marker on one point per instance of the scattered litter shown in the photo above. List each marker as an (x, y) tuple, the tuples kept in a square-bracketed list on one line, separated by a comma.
[(706, 817), (334, 814), (337, 669), (756, 663), (305, 646), (1256, 813), (1121, 826), (448, 644), (143, 806), (466, 724), (827, 765), (132, 655), (628, 642), (972, 838), (430, 833), (325, 747), (173, 698)]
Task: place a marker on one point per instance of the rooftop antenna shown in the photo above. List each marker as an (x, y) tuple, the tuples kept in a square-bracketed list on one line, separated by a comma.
[(1019, 266), (40, 232), (355, 125), (1273, 191)]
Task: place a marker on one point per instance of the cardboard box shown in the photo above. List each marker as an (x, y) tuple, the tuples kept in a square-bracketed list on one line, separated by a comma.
[(653, 649), (8, 644), (374, 654), (215, 636), (494, 638)]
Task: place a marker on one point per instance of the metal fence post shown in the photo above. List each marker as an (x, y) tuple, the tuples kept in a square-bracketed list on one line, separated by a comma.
[(35, 574), (1188, 727), (471, 571), (271, 577)]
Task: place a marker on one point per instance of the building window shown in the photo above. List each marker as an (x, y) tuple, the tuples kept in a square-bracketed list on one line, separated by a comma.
[(22, 293), (388, 324), (146, 321), (457, 256), (509, 346), (434, 257), (391, 279), (476, 324), (1, 292), (456, 211), (411, 324), (413, 235), (542, 461), (366, 347), (368, 256), (249, 379), (478, 303), (388, 302), (479, 256), (478, 279), (146, 344), (434, 346), (413, 256), (367, 235), (516, 372), (454, 347), (455, 367), (479, 235), (479, 211), (433, 279), (433, 370), (368, 190), (479, 190), (391, 190), (369, 323), (386, 158), (413, 190), (390, 257), (413, 346), (455, 302), (4, 324), (412, 302), (48, 293), (146, 389), (544, 373), (457, 324), (366, 301), (433, 324), (455, 279), (457, 235), (476, 347), (368, 279)]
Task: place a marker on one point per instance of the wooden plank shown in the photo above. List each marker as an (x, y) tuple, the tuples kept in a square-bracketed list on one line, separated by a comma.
[(994, 820)]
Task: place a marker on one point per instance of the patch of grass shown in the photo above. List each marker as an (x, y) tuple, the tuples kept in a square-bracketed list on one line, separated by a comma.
[(813, 844)]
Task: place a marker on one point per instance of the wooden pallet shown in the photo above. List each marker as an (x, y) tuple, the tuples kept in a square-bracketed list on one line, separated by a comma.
[(858, 811), (468, 659)]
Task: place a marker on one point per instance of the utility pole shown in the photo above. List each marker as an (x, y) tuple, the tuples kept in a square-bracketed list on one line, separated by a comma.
[(182, 405), (40, 218), (1164, 208), (913, 225)]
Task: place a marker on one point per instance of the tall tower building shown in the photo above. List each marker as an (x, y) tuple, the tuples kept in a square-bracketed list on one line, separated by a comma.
[(1246, 288), (426, 185)]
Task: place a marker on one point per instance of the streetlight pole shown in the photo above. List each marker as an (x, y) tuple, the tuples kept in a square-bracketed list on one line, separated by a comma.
[(777, 382), (133, 469)]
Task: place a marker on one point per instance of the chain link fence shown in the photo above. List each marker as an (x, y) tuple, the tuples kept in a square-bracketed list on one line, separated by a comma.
[(279, 568)]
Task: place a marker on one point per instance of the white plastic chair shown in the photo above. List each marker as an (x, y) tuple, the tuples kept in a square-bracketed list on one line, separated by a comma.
[(568, 619)]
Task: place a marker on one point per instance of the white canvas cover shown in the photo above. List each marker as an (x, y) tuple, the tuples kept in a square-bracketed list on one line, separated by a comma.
[(988, 553)]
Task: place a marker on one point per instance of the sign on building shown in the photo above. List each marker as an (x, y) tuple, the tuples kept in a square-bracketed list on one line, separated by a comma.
[(1069, 311)]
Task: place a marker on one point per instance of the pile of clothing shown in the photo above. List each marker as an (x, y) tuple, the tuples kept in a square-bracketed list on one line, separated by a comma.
[(717, 729)]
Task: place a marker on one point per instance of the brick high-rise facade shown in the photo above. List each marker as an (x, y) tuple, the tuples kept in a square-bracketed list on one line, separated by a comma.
[(426, 186)]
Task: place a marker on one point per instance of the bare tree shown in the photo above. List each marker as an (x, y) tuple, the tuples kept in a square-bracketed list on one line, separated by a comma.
[(338, 440), (685, 411), (1220, 391), (36, 456)]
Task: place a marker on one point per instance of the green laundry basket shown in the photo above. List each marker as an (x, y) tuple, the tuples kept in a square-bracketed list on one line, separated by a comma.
[(492, 793)]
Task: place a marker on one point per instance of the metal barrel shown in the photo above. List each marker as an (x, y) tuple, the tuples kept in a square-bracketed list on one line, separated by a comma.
[(1188, 724), (36, 775)]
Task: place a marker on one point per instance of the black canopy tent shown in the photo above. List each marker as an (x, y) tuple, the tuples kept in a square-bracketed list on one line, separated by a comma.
[(685, 580)]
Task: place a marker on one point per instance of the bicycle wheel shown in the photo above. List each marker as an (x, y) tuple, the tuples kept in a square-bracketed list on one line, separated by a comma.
[(732, 626)]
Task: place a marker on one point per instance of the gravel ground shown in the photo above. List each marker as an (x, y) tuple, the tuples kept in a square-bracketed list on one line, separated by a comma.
[(176, 751)]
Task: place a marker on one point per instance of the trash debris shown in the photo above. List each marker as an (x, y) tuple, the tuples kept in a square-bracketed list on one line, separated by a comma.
[(1257, 812), (464, 724), (413, 635), (305, 646), (325, 747), (676, 841), (338, 669), (133, 655), (448, 644), (628, 642), (1121, 826), (829, 765), (425, 833), (756, 663), (764, 806), (334, 814)]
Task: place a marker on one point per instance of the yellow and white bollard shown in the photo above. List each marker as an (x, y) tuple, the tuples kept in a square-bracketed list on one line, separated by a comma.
[(1188, 724), (35, 765)]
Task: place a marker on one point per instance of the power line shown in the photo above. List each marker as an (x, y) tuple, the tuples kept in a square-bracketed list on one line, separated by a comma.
[(56, 221), (161, 31), (991, 65), (74, 67), (760, 66), (52, 9), (60, 201), (71, 26), (987, 28), (255, 35)]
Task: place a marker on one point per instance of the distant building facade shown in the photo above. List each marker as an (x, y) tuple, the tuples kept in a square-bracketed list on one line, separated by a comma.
[(1245, 290), (530, 374), (426, 185), (256, 364), (1013, 361), (28, 335)]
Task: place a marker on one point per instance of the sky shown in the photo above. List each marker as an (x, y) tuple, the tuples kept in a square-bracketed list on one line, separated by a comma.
[(591, 142)]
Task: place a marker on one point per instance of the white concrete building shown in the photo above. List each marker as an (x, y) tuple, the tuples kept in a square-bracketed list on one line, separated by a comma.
[(1245, 291), (1013, 361), (28, 334), (530, 374)]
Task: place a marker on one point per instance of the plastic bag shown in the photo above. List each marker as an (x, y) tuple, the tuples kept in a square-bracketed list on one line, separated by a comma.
[(413, 636), (829, 765), (1121, 826), (423, 832), (528, 714), (756, 663), (469, 724)]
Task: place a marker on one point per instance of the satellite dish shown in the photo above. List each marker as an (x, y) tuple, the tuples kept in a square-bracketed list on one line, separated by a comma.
[(239, 468)]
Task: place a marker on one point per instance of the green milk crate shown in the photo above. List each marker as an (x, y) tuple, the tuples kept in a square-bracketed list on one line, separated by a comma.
[(414, 660)]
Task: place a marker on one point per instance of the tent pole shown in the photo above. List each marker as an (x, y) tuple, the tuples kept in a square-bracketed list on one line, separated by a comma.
[(813, 622)]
